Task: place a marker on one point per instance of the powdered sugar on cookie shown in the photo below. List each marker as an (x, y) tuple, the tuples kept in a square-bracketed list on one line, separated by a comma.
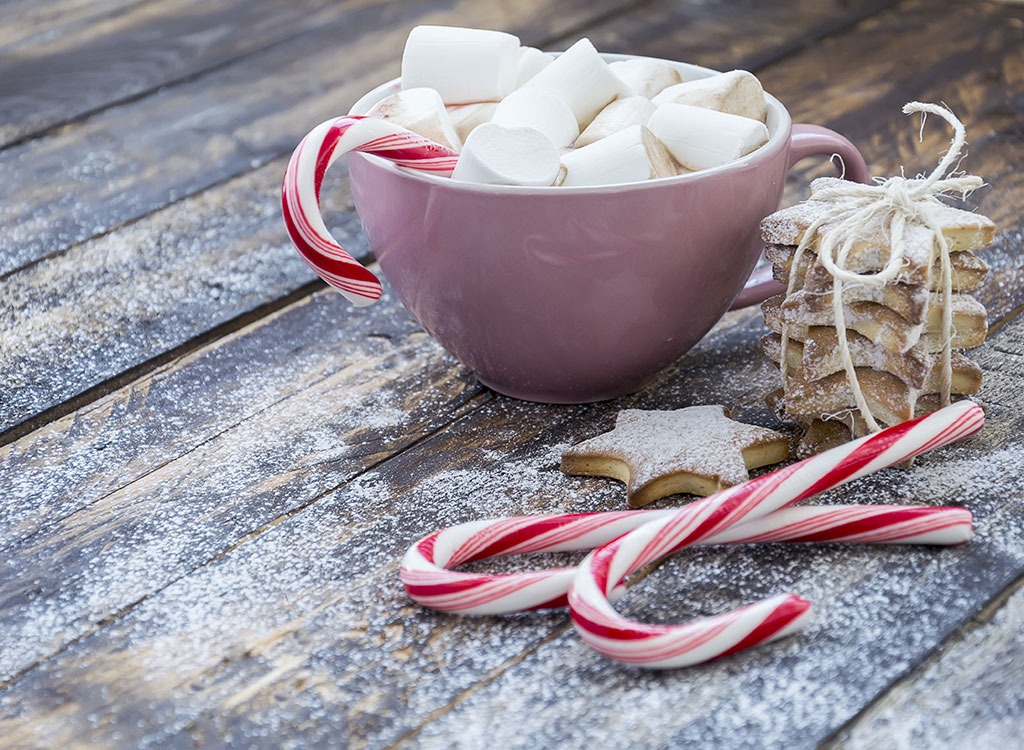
[(696, 450)]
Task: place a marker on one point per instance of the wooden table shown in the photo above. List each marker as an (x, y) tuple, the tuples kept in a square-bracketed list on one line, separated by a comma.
[(210, 465)]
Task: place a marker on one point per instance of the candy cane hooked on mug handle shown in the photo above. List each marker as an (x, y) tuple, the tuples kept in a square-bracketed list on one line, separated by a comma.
[(663, 646), (429, 581), (300, 193)]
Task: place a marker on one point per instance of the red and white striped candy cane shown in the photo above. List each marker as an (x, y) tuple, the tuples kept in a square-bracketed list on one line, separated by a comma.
[(300, 193), (663, 646), (428, 580)]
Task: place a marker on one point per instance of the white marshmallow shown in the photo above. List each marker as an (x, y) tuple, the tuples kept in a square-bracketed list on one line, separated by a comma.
[(464, 65), (531, 62), (582, 78), (541, 110), (645, 77), (699, 138), (619, 115), (421, 111), (499, 155), (737, 92), (465, 117), (630, 155)]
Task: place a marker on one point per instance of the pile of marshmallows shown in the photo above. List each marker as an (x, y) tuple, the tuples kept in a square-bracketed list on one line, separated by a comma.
[(519, 116)]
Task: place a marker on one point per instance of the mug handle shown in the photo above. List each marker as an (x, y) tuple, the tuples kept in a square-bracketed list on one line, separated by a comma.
[(805, 141)]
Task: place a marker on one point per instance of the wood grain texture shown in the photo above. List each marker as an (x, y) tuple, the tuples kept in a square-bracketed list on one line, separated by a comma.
[(149, 522), (120, 300), (351, 536), (192, 400), (966, 696), (370, 519), (207, 556), (125, 298), (730, 34), (128, 161), (121, 56), (28, 22), (329, 641), (977, 76)]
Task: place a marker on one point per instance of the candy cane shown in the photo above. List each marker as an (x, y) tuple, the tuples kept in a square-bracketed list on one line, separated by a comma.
[(300, 193), (428, 580), (601, 574)]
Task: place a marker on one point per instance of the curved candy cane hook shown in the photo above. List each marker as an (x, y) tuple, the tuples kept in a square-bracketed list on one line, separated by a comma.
[(300, 192), (429, 581), (662, 646)]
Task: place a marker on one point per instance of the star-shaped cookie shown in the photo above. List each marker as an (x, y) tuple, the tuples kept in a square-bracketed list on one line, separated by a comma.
[(696, 450)]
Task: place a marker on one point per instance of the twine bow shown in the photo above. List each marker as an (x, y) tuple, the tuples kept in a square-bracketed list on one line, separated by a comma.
[(895, 203)]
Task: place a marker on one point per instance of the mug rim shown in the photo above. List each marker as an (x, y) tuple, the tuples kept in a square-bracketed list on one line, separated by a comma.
[(777, 138)]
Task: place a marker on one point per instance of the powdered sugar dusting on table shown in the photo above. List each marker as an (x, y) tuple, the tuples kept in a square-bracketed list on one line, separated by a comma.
[(989, 661), (870, 606), (313, 609)]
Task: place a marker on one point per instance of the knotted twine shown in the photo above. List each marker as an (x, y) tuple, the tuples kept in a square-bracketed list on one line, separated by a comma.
[(895, 203)]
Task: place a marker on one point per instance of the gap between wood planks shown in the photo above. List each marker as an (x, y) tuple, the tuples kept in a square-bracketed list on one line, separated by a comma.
[(378, 36), (142, 369), (175, 82), (255, 51), (84, 115), (115, 616), (834, 741), (470, 406), (254, 165), (487, 679), (1008, 318), (473, 404), (150, 365)]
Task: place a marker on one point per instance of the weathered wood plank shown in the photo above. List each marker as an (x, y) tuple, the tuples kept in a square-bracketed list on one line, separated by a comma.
[(129, 297), (322, 610), (370, 516), (189, 402), (731, 35), (297, 612), (121, 56), (968, 695), (130, 160), (153, 286), (124, 298), (329, 642), (375, 385), (29, 21), (976, 76)]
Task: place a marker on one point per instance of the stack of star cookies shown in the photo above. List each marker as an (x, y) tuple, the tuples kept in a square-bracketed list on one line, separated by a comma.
[(894, 332)]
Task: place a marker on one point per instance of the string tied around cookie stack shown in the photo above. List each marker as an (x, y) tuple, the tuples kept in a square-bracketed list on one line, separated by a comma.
[(894, 203)]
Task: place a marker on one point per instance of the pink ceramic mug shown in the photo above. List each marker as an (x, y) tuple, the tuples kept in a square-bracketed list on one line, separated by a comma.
[(568, 295)]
